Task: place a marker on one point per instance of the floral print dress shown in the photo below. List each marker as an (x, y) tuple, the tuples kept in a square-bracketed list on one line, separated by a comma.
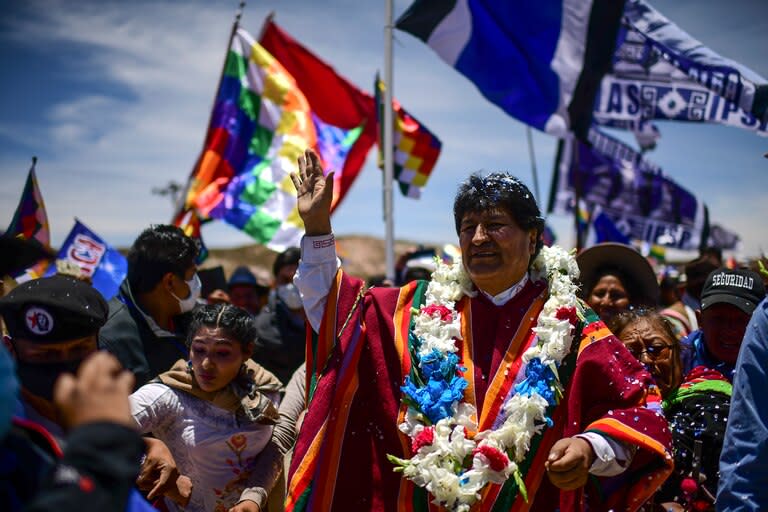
[(209, 444)]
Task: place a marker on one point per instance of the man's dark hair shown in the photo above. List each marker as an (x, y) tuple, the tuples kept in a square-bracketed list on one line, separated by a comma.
[(290, 256), (236, 323), (499, 190), (158, 250)]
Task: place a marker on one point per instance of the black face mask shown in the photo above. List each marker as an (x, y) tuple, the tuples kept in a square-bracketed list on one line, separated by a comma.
[(39, 379)]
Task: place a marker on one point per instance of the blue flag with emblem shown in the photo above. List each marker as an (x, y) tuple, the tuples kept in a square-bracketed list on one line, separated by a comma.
[(541, 62), (98, 261)]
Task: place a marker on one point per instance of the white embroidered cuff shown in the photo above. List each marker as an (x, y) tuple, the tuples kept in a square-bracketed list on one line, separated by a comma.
[(611, 456), (318, 249)]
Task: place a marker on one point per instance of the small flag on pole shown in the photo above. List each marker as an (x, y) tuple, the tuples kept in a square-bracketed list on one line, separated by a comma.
[(30, 222), (416, 149), (99, 262)]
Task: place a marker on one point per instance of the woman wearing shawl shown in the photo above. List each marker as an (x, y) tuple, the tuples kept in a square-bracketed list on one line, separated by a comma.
[(216, 413), (696, 406)]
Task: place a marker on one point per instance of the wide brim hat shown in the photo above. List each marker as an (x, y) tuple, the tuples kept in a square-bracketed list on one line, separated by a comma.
[(627, 260)]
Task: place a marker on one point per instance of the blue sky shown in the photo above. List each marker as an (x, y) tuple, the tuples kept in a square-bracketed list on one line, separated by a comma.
[(114, 98)]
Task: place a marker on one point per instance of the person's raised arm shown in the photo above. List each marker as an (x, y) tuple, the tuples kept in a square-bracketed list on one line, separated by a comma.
[(318, 265), (314, 193)]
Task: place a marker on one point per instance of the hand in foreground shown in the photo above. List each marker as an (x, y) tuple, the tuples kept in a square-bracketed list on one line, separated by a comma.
[(569, 462), (181, 492), (246, 506), (98, 393), (159, 474), (314, 193)]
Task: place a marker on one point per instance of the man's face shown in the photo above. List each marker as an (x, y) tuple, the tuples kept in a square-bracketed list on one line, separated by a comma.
[(494, 249), (34, 352), (245, 296), (179, 288), (39, 365), (723, 326)]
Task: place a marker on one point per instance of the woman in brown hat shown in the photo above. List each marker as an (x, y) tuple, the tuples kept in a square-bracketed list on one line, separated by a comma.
[(615, 277)]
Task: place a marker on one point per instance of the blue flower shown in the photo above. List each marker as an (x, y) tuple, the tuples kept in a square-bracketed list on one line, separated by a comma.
[(539, 378), (435, 365), (436, 398)]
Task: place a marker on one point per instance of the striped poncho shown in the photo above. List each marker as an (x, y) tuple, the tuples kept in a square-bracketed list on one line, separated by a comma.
[(361, 356)]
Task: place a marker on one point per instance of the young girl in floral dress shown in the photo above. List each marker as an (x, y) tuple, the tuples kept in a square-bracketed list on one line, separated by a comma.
[(216, 412)]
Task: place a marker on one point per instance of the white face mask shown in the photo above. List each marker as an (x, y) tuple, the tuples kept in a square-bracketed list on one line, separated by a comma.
[(289, 294), (195, 287)]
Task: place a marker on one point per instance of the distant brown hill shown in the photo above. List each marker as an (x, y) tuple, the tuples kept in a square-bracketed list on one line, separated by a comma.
[(362, 256)]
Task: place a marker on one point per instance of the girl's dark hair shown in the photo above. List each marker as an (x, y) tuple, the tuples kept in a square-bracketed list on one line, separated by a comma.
[(235, 322), (499, 190)]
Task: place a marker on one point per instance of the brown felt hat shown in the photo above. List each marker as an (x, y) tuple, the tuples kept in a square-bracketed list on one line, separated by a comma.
[(633, 269)]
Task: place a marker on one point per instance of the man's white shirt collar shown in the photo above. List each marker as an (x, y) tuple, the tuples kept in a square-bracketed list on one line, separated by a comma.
[(508, 294)]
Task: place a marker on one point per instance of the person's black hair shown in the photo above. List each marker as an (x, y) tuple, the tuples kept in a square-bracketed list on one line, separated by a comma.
[(158, 250), (503, 191), (290, 256), (618, 322), (236, 323)]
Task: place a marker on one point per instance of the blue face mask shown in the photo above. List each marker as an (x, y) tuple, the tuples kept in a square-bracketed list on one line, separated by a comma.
[(9, 390)]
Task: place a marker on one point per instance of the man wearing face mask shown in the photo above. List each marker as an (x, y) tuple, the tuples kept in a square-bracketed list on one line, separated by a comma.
[(52, 325), (280, 324), (147, 319)]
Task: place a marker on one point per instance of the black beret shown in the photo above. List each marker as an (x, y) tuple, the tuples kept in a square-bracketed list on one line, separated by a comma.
[(51, 309)]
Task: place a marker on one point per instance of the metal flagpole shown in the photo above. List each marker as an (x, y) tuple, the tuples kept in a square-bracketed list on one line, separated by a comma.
[(389, 247), (529, 135), (238, 14)]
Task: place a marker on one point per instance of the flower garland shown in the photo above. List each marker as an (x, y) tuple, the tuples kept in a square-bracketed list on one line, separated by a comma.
[(450, 458)]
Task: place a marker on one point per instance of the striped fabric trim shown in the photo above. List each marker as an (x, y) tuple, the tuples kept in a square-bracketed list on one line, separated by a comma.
[(348, 380), (506, 373), (468, 354), (299, 486), (641, 490), (593, 332), (322, 344), (319, 351), (509, 499), (617, 429), (410, 297)]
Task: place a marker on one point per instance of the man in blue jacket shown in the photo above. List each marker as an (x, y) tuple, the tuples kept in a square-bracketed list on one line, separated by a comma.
[(743, 471)]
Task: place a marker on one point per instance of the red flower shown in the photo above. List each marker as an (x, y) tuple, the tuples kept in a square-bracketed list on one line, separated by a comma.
[(688, 485), (569, 314), (238, 440), (423, 438), (446, 315), (497, 459)]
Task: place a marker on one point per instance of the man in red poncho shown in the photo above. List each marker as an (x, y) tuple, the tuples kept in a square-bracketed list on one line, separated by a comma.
[(473, 385)]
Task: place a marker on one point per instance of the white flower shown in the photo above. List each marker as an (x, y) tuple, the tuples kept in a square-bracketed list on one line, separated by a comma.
[(412, 424)]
